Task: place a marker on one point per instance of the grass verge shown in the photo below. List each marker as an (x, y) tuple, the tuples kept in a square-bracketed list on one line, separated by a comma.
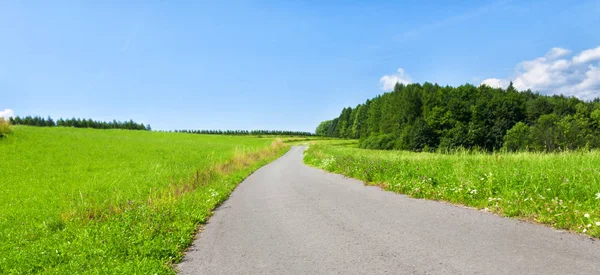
[(560, 189), (104, 215)]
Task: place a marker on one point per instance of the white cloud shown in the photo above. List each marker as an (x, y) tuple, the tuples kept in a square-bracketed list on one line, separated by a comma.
[(555, 73), (387, 82), (7, 113), (588, 56), (557, 52), (495, 83), (590, 86)]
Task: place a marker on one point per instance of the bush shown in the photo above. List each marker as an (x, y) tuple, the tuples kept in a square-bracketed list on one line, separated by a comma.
[(4, 127), (385, 142), (517, 138)]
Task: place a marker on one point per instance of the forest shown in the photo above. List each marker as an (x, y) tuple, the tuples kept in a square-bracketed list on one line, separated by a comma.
[(132, 125), (429, 117), (78, 123)]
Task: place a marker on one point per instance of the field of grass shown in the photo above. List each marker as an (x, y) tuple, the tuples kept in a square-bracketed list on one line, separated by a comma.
[(113, 201), (306, 140), (560, 189)]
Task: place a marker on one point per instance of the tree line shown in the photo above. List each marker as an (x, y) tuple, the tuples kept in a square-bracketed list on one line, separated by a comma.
[(78, 123), (131, 125), (430, 117), (246, 132)]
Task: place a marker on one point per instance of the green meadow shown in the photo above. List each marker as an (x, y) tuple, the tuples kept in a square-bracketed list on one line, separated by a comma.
[(88, 201), (558, 189), (113, 201)]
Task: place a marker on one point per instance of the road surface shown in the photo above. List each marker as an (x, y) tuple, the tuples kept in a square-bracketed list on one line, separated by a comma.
[(288, 218)]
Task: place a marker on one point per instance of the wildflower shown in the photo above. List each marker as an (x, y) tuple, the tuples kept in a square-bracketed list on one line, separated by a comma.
[(473, 191), (584, 230), (597, 223), (598, 196), (589, 225), (586, 215)]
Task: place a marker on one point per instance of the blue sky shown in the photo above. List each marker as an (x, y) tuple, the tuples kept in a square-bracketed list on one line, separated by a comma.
[(280, 64)]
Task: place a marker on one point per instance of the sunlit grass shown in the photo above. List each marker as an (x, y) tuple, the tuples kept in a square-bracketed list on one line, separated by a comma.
[(561, 189), (5, 127), (113, 201)]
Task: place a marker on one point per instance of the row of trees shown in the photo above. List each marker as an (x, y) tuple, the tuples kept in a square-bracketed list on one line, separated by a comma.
[(131, 125), (246, 132), (428, 117), (78, 123)]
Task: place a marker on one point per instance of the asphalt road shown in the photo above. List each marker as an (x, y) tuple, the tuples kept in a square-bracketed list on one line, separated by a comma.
[(288, 218)]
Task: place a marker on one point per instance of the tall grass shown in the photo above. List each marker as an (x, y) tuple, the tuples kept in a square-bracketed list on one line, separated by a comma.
[(559, 189), (5, 127), (113, 201)]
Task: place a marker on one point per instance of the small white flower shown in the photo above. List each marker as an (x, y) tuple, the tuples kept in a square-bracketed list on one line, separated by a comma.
[(584, 230), (589, 225), (598, 196), (473, 191), (586, 215), (597, 223)]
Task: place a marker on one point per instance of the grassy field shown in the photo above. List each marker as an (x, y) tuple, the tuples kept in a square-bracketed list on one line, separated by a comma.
[(113, 201), (561, 189)]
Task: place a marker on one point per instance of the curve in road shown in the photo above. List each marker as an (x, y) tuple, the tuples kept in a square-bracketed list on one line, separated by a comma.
[(288, 218)]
